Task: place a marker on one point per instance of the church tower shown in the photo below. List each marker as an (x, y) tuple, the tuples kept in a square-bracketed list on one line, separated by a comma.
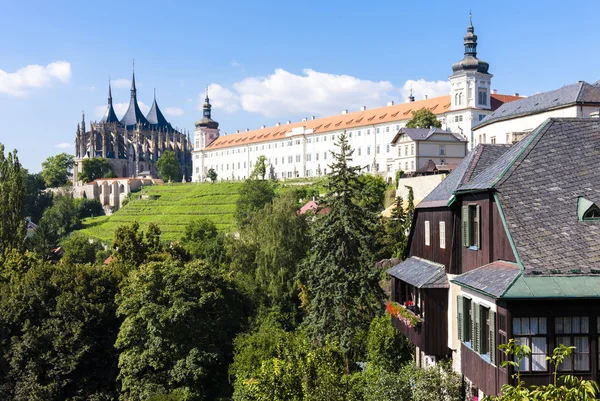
[(207, 130), (470, 83)]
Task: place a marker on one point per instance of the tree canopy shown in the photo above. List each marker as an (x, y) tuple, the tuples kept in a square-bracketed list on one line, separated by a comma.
[(12, 199), (57, 170), (260, 168), (168, 167), (254, 195), (211, 174), (95, 168), (423, 118)]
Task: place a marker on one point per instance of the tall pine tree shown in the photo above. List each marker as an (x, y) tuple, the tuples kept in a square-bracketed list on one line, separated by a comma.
[(343, 290), (12, 199)]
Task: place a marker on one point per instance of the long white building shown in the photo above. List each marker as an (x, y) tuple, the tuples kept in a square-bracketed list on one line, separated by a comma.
[(302, 149)]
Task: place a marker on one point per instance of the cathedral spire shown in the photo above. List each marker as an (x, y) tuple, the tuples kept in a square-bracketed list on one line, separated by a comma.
[(206, 120), (133, 116), (83, 122), (110, 115)]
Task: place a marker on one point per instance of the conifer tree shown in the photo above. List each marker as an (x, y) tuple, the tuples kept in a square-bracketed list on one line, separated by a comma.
[(343, 289)]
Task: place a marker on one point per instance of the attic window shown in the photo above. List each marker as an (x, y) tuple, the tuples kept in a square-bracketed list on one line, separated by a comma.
[(587, 210)]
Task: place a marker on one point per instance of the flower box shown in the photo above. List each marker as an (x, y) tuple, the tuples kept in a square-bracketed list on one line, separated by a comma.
[(404, 314)]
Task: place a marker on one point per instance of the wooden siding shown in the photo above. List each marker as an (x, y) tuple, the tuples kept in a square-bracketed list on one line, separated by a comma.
[(551, 309), (480, 372), (433, 252), (431, 337), (494, 241)]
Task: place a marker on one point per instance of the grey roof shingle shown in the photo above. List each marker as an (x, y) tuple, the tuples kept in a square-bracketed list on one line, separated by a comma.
[(421, 273), (493, 279), (479, 158), (580, 92), (538, 183)]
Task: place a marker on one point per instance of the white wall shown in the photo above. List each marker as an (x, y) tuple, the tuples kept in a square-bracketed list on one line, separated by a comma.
[(421, 186)]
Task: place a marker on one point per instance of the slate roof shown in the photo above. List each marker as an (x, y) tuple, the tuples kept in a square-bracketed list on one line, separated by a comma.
[(482, 154), (577, 93), (423, 134), (109, 115), (156, 118), (492, 279), (421, 273), (538, 183), (133, 115)]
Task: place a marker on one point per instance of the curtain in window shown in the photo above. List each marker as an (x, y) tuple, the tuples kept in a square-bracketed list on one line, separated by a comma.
[(581, 353), (524, 366), (538, 353), (566, 364)]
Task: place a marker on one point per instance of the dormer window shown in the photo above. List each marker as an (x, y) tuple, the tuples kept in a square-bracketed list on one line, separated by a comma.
[(587, 210)]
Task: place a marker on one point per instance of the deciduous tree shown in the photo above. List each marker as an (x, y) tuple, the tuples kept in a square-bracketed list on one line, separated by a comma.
[(57, 170), (253, 195), (95, 168), (423, 118), (12, 199), (168, 167), (260, 168), (212, 175)]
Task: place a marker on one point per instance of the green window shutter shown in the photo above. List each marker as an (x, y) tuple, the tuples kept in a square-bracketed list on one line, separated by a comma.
[(476, 325), (459, 316), (465, 226), (492, 334), (478, 228)]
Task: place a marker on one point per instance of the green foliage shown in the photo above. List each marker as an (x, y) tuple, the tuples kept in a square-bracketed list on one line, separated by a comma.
[(211, 174), (343, 288), (423, 118), (260, 168), (36, 199), (254, 195), (387, 349), (398, 176), (381, 384), (131, 247), (88, 207), (200, 230), (95, 168), (372, 193), (62, 325), (564, 387), (177, 334), (12, 199), (168, 167), (394, 240), (439, 382), (80, 249), (57, 170), (174, 206)]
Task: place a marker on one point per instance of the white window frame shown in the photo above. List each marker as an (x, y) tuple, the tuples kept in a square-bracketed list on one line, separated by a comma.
[(427, 233), (442, 235)]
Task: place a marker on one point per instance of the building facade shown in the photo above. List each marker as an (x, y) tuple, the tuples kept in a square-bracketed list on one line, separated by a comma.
[(132, 144), (302, 149), (505, 248), (512, 121)]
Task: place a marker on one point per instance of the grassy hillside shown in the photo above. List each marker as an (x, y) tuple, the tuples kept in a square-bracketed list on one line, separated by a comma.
[(171, 206)]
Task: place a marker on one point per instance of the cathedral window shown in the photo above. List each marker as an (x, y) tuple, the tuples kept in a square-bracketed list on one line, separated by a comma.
[(483, 97)]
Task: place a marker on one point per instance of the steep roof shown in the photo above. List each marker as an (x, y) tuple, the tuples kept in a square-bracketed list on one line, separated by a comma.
[(492, 279), (156, 118), (482, 154), (133, 115), (423, 134), (421, 273), (109, 115), (577, 93), (381, 115), (538, 184)]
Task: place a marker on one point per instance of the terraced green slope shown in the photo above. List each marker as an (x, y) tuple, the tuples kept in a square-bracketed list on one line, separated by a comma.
[(172, 207)]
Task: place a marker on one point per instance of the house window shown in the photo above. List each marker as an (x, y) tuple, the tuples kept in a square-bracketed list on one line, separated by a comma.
[(481, 117), (412, 149), (358, 133), (574, 332), (308, 157), (427, 233), (324, 155), (297, 158), (290, 159), (493, 140), (368, 150), (471, 229), (387, 129), (507, 138), (387, 148), (531, 331), (359, 151), (412, 165), (484, 327), (442, 234), (483, 98), (317, 156), (442, 150), (377, 130), (350, 134), (593, 213), (468, 324), (368, 132), (378, 149), (406, 150)]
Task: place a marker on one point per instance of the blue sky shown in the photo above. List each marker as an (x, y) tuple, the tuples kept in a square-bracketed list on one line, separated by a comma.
[(267, 61)]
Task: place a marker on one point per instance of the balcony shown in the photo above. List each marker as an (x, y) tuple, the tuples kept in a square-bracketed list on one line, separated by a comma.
[(408, 315)]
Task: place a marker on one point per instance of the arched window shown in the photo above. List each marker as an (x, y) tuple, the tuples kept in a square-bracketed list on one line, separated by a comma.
[(587, 210), (122, 188), (456, 98), (593, 213)]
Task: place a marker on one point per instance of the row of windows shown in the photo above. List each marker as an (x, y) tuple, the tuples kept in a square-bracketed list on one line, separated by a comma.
[(477, 327)]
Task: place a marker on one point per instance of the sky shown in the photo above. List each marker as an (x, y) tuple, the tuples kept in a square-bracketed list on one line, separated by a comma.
[(265, 61)]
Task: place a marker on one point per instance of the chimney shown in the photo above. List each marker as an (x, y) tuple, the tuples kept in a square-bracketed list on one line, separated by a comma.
[(313, 118), (263, 126), (345, 111), (494, 91), (304, 119), (289, 121), (516, 93), (247, 129), (390, 103), (278, 124), (237, 131), (363, 108), (425, 97)]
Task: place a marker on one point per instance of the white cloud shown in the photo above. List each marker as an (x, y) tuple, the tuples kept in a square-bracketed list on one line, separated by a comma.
[(121, 108), (422, 88), (34, 76), (220, 98), (64, 145), (120, 83), (174, 111)]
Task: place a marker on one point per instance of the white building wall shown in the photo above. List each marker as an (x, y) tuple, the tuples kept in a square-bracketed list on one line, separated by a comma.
[(501, 131)]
